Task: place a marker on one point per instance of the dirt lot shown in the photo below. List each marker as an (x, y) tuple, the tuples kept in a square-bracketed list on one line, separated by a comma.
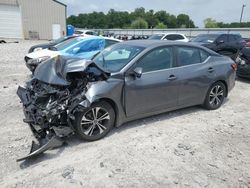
[(192, 147)]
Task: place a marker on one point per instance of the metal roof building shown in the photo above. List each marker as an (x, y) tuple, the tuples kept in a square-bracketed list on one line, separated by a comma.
[(32, 19)]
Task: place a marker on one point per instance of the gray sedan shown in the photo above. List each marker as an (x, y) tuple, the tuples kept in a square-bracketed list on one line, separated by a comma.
[(126, 81)]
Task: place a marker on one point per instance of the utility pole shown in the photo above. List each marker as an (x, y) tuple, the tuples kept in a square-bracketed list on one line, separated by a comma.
[(242, 10)]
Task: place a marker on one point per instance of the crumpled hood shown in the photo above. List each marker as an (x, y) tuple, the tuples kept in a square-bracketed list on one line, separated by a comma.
[(55, 70)]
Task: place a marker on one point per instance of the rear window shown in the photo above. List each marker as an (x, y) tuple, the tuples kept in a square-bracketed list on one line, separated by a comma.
[(174, 37), (156, 37), (190, 56)]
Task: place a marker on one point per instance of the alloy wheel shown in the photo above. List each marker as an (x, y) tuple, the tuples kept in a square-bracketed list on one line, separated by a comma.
[(216, 95), (94, 121)]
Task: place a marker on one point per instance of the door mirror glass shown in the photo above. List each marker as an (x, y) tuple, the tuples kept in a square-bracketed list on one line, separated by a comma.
[(138, 72)]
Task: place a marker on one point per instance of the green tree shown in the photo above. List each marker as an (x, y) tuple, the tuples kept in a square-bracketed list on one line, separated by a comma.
[(210, 23), (183, 21), (151, 19), (160, 25), (139, 23)]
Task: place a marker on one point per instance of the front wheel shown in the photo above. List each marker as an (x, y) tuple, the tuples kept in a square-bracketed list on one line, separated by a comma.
[(215, 96), (95, 122)]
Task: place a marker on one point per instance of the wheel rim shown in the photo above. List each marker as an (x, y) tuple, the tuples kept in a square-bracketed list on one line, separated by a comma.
[(216, 95), (95, 121)]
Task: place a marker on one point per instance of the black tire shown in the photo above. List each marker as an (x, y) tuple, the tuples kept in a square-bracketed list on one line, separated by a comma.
[(215, 96), (90, 128)]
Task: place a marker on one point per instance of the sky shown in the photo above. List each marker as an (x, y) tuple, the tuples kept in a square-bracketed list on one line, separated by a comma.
[(220, 10)]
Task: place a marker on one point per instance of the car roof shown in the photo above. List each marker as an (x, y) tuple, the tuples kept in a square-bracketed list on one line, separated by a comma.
[(159, 43), (152, 43), (168, 34), (88, 37)]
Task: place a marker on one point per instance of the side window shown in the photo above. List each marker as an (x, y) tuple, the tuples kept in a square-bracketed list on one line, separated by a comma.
[(223, 38), (174, 37), (157, 59), (89, 33), (110, 42), (204, 55), (188, 56)]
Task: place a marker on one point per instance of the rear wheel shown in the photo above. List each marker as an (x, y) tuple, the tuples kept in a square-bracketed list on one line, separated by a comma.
[(95, 122), (215, 96)]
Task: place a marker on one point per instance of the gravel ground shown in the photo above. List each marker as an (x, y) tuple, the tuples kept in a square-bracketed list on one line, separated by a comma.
[(192, 147)]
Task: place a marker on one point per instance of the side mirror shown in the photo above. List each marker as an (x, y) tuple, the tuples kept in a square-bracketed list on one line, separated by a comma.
[(137, 72), (75, 50)]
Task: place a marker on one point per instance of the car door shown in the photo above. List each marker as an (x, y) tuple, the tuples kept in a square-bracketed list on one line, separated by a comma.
[(193, 74), (156, 88)]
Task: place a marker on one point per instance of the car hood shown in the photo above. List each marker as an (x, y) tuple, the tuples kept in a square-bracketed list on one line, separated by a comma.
[(43, 53), (55, 70)]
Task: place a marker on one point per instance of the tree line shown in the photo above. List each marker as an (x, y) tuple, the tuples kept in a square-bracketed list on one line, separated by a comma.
[(212, 23), (138, 19)]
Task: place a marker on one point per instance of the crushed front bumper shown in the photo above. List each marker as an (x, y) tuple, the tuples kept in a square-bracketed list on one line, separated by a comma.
[(47, 137)]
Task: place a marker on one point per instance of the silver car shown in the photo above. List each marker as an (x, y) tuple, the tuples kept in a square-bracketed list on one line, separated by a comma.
[(126, 81)]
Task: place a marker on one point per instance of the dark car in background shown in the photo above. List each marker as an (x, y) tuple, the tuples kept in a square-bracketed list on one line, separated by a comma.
[(243, 70), (224, 44), (49, 44)]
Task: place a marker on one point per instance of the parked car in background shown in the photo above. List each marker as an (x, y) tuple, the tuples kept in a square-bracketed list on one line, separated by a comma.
[(126, 81), (49, 44), (224, 44), (169, 36), (85, 32), (244, 63), (82, 47), (247, 42)]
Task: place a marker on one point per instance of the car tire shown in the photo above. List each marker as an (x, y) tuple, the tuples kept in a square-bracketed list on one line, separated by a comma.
[(95, 122), (215, 96)]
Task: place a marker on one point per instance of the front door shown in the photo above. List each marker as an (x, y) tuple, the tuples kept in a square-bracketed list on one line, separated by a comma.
[(156, 88)]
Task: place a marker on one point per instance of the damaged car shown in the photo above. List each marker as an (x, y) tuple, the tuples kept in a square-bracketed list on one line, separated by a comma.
[(81, 47), (124, 82)]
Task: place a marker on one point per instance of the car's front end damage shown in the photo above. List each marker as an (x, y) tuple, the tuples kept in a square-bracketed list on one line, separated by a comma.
[(53, 97)]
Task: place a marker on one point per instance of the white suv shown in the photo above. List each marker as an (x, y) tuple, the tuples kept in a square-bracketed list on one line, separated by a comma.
[(169, 36)]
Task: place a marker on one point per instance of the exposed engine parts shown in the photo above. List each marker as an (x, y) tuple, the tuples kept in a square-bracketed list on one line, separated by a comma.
[(50, 109)]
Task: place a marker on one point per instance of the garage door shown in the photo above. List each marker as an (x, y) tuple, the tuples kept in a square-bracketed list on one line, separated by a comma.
[(10, 22)]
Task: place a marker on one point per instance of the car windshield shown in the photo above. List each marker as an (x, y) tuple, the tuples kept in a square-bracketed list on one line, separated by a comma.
[(59, 40), (156, 37), (205, 38), (67, 43), (115, 57), (87, 45)]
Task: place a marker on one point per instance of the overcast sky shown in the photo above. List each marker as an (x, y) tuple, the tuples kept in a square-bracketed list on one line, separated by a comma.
[(198, 10)]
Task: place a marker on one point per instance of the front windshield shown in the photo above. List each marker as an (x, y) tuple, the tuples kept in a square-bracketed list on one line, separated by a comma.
[(156, 37), (205, 38), (115, 57), (67, 43), (59, 40)]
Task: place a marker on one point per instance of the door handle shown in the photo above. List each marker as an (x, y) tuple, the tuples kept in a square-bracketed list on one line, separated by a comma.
[(210, 69), (172, 77)]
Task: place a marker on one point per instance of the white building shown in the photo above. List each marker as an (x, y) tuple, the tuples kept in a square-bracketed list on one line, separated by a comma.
[(27, 19)]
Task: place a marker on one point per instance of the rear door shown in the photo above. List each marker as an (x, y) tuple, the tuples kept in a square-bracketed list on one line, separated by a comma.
[(155, 89), (193, 74)]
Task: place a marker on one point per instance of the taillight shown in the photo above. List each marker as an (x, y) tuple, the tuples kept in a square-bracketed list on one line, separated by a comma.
[(234, 66)]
